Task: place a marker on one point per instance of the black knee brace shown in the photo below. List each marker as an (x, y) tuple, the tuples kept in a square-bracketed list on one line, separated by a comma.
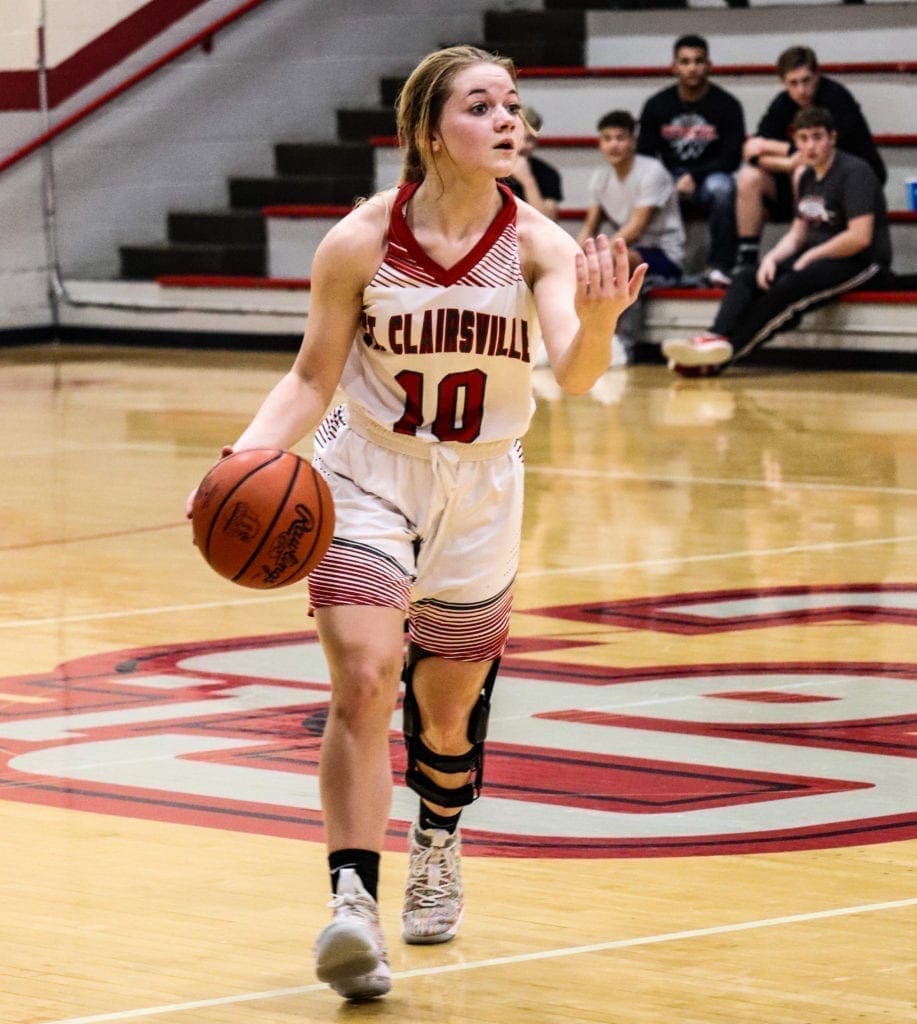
[(453, 764)]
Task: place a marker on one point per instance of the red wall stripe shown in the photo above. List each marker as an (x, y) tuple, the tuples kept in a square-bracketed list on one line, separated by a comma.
[(19, 89)]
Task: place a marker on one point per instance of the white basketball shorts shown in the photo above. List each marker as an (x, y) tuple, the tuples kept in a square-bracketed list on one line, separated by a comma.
[(433, 529)]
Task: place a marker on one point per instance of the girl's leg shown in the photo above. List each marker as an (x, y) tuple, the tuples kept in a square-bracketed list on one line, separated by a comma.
[(364, 649), (444, 695)]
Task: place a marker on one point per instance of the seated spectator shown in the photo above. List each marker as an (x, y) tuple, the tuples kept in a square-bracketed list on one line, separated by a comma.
[(635, 194), (696, 128), (772, 159), (534, 180), (838, 240)]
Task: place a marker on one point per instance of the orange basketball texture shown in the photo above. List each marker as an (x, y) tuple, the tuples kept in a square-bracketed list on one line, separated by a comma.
[(263, 518)]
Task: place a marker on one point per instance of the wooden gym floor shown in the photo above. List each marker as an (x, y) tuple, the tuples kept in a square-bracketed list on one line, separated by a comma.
[(700, 802)]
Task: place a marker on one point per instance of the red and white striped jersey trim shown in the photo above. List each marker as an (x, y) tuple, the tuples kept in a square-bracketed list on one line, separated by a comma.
[(492, 262), (500, 266)]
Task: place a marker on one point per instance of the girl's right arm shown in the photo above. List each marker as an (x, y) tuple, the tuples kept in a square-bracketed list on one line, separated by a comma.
[(344, 263)]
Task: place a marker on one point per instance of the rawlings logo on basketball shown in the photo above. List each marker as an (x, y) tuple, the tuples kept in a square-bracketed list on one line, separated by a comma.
[(583, 760), (285, 549), (258, 504)]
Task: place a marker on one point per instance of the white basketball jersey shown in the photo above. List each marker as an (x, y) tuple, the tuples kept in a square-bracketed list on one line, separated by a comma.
[(447, 355)]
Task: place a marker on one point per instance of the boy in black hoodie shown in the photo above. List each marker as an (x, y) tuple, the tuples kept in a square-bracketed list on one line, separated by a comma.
[(697, 130)]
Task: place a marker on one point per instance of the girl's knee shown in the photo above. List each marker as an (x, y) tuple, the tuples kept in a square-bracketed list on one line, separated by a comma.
[(365, 692)]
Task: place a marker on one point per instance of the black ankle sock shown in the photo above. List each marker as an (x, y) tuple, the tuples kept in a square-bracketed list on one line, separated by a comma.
[(364, 862), (430, 819), (749, 250)]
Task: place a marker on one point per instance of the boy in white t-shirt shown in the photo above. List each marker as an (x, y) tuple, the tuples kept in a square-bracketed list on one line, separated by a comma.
[(636, 197)]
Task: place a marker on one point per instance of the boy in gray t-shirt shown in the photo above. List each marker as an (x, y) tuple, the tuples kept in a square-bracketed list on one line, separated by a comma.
[(838, 240)]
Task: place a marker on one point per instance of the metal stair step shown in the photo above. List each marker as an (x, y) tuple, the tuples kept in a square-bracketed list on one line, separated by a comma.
[(146, 262), (229, 227), (259, 192)]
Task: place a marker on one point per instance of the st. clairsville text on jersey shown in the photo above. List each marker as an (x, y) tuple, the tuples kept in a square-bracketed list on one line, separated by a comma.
[(417, 365)]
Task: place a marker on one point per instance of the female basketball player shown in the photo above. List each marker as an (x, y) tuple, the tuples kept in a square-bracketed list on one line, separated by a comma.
[(428, 305)]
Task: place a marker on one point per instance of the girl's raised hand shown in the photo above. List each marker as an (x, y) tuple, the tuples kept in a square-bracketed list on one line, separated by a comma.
[(605, 286)]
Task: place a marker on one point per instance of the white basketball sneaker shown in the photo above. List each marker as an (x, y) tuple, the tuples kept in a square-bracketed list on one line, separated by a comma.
[(433, 901), (702, 350), (350, 952)]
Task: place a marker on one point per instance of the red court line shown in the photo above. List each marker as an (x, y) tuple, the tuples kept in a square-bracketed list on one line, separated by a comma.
[(80, 538)]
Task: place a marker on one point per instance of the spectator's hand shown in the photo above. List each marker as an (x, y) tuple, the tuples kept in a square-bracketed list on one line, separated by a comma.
[(684, 185), (803, 261), (767, 271), (755, 146)]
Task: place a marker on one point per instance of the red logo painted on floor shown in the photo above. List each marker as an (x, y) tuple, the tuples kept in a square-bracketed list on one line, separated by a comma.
[(581, 761)]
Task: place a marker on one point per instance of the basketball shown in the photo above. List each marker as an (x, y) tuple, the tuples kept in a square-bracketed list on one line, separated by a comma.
[(263, 518)]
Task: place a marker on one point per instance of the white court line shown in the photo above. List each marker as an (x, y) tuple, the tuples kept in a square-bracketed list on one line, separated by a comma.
[(720, 556), (715, 481), (556, 471), (501, 961), (577, 570)]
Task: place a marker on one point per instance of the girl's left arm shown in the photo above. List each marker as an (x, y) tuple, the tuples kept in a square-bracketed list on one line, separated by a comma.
[(579, 295)]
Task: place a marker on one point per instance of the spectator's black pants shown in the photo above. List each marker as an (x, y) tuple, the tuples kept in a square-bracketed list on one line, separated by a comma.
[(749, 316)]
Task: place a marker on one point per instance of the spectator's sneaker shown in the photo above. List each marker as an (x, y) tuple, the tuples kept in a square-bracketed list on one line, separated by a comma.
[(350, 952), (433, 901), (702, 350), (695, 371), (717, 279)]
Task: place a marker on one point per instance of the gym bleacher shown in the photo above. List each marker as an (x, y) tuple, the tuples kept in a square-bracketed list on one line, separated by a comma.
[(244, 270)]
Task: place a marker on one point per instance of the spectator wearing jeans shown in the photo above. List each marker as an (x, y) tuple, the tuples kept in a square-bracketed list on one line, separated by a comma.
[(696, 128)]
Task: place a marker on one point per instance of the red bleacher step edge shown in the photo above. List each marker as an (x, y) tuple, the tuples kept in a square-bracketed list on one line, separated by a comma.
[(304, 284), (302, 211), (698, 294), (871, 67), (891, 140), (294, 284)]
